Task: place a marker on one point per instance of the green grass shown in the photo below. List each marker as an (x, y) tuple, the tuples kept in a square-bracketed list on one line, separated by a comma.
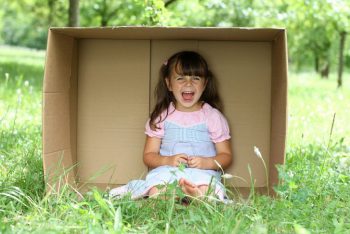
[(312, 105), (313, 195)]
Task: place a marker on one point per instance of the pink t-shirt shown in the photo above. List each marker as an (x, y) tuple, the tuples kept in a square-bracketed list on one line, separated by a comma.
[(215, 121)]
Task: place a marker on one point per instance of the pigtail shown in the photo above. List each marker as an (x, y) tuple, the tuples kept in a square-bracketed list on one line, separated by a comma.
[(163, 98)]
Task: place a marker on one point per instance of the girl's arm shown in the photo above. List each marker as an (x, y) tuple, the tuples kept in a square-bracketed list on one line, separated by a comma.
[(153, 159), (223, 157)]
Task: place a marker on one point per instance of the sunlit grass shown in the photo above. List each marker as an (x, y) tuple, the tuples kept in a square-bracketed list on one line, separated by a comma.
[(313, 194), (312, 104), (21, 74), (25, 56)]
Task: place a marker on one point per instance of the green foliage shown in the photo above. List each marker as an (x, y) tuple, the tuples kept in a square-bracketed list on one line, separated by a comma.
[(114, 13), (26, 22), (314, 20), (313, 26), (224, 13)]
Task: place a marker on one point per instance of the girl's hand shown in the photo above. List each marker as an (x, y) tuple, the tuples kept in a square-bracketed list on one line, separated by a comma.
[(176, 160), (200, 162)]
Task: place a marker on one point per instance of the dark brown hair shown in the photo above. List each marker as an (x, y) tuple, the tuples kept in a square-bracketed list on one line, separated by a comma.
[(185, 63)]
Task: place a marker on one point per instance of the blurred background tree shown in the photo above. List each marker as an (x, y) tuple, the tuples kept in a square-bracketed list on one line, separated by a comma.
[(73, 13), (126, 12), (317, 29)]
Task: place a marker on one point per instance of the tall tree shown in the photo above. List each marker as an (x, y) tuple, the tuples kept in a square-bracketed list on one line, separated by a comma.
[(316, 34), (73, 19), (51, 7), (341, 58), (341, 22), (102, 12), (126, 12)]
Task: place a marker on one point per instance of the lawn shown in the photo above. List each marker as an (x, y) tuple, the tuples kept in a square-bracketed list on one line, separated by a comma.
[(313, 195)]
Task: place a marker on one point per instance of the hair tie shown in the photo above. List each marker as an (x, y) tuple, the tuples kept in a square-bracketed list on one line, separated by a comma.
[(165, 62)]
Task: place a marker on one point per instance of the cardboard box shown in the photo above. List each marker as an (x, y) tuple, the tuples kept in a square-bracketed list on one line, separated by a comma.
[(98, 93)]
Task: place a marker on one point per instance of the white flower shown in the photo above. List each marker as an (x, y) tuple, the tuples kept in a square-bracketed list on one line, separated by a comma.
[(218, 164), (19, 98), (257, 152), (227, 176), (26, 83), (344, 163), (7, 76), (89, 193)]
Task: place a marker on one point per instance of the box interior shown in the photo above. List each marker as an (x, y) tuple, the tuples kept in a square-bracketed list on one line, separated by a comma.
[(98, 93)]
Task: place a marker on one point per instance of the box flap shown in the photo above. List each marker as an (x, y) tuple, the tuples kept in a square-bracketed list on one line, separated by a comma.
[(172, 33)]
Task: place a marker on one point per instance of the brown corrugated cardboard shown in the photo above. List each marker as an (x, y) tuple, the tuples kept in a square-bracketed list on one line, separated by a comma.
[(98, 93)]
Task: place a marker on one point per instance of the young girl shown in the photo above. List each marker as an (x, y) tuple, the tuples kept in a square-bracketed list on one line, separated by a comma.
[(187, 136)]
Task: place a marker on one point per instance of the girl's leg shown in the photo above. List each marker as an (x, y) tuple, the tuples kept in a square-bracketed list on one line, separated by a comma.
[(153, 192), (204, 189), (191, 189)]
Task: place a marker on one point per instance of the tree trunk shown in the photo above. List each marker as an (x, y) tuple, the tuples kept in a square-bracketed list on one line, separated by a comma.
[(167, 3), (317, 64), (341, 58), (104, 14), (51, 6), (104, 22), (325, 70), (73, 13)]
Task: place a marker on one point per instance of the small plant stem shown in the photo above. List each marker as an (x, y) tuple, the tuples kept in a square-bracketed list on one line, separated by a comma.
[(331, 132), (267, 177)]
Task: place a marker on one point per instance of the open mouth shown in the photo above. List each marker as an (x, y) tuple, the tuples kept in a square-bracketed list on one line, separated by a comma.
[(188, 96)]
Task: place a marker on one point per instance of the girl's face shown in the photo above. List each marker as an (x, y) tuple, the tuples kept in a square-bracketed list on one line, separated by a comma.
[(187, 91)]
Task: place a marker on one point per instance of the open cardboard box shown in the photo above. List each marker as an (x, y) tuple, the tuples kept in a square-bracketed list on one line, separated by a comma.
[(98, 93)]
